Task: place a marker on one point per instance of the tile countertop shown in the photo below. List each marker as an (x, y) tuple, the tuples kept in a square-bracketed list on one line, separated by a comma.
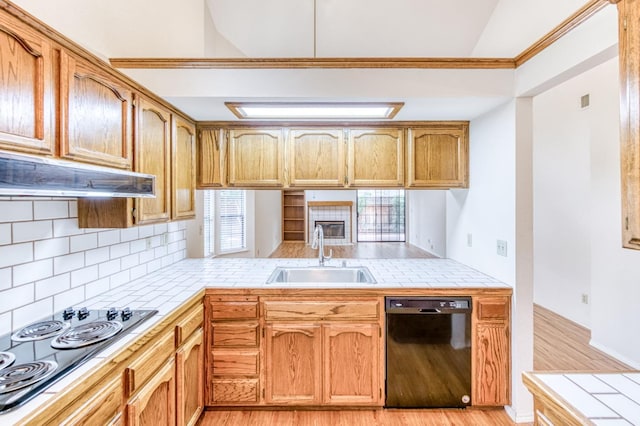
[(600, 399), (168, 288)]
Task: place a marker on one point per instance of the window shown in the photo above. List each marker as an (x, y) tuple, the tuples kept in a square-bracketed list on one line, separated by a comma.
[(225, 225), (381, 215)]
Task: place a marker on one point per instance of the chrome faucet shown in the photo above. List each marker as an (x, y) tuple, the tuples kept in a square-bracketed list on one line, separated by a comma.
[(318, 243)]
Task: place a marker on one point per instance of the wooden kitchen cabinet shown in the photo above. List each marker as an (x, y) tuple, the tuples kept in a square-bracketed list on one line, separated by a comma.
[(293, 216), (95, 115), (351, 364), (212, 158), (256, 157), (155, 403), (153, 156), (438, 156), (183, 170), (293, 355), (376, 157), (490, 353), (190, 380), (104, 407), (233, 353), (27, 89), (629, 48), (316, 158)]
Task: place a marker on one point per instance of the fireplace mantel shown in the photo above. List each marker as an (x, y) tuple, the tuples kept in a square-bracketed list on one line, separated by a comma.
[(329, 203)]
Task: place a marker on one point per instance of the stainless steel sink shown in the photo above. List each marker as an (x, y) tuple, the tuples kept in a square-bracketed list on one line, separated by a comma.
[(326, 274)]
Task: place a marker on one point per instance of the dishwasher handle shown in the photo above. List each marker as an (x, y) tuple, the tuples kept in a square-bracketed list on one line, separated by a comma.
[(427, 305)]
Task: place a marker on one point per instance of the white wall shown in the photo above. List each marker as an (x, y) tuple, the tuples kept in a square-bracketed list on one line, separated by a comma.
[(577, 215), (426, 220), (268, 221), (338, 195), (47, 263)]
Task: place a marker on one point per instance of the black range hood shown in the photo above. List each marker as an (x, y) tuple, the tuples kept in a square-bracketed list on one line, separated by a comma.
[(31, 175)]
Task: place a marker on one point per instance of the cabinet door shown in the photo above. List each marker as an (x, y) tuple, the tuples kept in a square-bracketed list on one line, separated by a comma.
[(491, 359), (190, 380), (351, 364), (27, 91), (95, 120), (155, 403), (152, 147), (376, 157), (438, 157), (293, 370), (183, 170), (103, 406), (256, 157), (211, 158), (629, 17), (316, 157)]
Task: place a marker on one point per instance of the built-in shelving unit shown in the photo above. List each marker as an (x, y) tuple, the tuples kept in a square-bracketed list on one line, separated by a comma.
[(293, 216)]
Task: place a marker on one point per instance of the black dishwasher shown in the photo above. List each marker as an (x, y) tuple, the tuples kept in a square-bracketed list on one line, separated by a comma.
[(428, 352)]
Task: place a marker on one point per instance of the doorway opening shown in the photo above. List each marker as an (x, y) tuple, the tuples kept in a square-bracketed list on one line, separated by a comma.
[(381, 215)]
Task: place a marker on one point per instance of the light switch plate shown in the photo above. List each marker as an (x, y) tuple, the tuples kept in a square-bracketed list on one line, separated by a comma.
[(501, 248)]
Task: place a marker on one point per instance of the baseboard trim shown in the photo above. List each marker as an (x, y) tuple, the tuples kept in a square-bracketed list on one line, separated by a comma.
[(614, 354)]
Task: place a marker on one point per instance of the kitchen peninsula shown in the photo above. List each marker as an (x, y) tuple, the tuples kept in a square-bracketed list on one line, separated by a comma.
[(178, 291)]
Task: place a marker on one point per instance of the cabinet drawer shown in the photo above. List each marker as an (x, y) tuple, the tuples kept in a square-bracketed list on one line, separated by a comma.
[(493, 309), (235, 363), (234, 334), (146, 365), (189, 324), (225, 391), (102, 407), (321, 310), (234, 310)]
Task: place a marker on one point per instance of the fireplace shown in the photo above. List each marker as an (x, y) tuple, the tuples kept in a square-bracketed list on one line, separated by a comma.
[(332, 229)]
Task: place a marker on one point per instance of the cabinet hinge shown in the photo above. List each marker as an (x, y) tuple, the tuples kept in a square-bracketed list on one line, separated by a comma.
[(380, 332), (133, 212), (626, 223), (263, 336), (263, 393)]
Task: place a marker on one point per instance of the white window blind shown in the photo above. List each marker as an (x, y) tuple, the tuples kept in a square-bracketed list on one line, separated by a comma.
[(231, 209), (208, 226)]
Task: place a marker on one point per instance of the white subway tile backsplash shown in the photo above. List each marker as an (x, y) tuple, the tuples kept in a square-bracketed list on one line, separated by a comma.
[(159, 229), (73, 208), (68, 263), (97, 256), (158, 252), (119, 250), (84, 275), (145, 231), (51, 248), (52, 286), (138, 272), (32, 231), (97, 287), (129, 234), (108, 268), (147, 256), (16, 211), (5, 278), (16, 254), (5, 323), (83, 242), (29, 272), (107, 238), (68, 298), (16, 297), (120, 278), (5, 233), (50, 210), (130, 261), (137, 246), (66, 227), (33, 311)]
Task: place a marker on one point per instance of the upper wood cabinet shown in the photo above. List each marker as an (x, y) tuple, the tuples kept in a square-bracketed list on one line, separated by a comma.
[(95, 119), (629, 48), (153, 156), (211, 158), (437, 157), (183, 170), (256, 157), (316, 157), (376, 157), (27, 90)]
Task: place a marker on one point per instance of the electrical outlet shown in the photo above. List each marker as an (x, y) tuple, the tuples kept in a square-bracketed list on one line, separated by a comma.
[(469, 240), (585, 299), (501, 248)]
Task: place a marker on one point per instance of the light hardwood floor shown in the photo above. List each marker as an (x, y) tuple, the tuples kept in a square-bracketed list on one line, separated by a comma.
[(559, 344), (364, 250)]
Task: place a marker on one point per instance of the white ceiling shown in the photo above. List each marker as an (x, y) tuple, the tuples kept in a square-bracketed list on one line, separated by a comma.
[(285, 28)]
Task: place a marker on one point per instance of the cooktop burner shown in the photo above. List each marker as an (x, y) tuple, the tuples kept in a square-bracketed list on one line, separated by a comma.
[(40, 330), (23, 375), (86, 334), (65, 340), (6, 359)]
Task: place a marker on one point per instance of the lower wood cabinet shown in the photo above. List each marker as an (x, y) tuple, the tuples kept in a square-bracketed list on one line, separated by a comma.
[(155, 403), (104, 407), (190, 380)]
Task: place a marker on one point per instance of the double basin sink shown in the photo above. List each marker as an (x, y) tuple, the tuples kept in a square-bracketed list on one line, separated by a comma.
[(324, 274)]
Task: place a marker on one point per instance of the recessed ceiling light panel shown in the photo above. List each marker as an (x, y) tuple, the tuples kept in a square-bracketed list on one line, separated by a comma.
[(314, 110)]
